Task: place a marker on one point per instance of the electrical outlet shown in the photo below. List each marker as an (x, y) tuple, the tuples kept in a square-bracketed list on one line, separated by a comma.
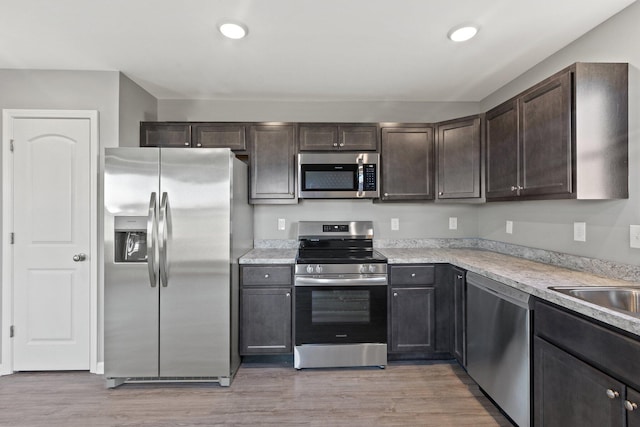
[(281, 224), (509, 227), (634, 236), (580, 231), (395, 224), (453, 223)]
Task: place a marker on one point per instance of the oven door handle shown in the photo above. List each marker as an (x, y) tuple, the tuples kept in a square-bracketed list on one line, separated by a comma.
[(340, 281)]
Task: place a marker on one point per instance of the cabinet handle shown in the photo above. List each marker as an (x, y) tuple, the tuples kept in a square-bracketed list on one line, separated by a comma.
[(288, 294), (266, 276), (395, 294), (386, 194), (335, 144), (630, 406), (342, 144), (186, 144), (514, 188), (460, 276), (612, 394), (413, 274), (198, 145), (440, 193)]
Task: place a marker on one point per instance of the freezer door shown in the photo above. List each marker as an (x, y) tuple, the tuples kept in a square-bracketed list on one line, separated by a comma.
[(131, 291), (195, 194)]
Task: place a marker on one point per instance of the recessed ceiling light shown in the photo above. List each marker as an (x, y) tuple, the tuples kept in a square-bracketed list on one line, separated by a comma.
[(233, 30), (463, 33)]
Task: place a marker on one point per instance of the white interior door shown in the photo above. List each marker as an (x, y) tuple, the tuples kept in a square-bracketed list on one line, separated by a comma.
[(51, 281)]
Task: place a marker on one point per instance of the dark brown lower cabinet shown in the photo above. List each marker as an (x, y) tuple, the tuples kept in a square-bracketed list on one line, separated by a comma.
[(569, 392), (412, 319), (458, 318), (584, 373), (265, 321)]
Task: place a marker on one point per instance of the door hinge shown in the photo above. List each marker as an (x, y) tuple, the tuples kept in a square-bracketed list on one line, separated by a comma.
[(11, 331), (11, 145), (12, 237)]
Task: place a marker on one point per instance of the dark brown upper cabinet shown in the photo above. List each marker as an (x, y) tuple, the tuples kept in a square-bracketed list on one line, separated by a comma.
[(272, 164), (459, 144), (165, 134), (566, 137), (220, 135), (343, 136), (407, 163), (194, 134)]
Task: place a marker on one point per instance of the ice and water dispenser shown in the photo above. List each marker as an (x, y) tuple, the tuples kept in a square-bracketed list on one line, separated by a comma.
[(130, 239)]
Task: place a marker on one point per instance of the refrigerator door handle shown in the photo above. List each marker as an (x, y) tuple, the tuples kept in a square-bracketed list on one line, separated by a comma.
[(165, 231), (152, 236)]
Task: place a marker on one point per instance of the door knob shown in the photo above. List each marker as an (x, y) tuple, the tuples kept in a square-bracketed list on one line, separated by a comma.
[(79, 257)]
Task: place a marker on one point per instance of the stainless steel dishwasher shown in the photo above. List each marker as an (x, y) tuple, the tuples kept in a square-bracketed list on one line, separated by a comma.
[(498, 352)]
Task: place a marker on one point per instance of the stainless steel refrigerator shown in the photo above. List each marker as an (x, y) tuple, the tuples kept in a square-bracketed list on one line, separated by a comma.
[(176, 221)]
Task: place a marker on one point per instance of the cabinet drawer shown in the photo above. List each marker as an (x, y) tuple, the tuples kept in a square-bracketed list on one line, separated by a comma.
[(610, 351), (261, 275), (412, 275)]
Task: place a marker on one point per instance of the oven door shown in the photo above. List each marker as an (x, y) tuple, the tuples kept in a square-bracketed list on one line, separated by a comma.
[(340, 310)]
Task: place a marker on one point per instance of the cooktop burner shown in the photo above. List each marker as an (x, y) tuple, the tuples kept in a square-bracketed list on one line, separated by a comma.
[(339, 257), (349, 242)]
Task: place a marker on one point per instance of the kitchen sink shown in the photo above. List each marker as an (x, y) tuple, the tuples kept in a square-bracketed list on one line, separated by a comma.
[(624, 299)]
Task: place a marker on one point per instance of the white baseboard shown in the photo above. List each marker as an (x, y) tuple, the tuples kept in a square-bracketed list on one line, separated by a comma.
[(99, 368)]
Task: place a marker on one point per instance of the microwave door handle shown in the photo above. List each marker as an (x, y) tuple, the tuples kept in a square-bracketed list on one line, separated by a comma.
[(360, 178), (152, 237)]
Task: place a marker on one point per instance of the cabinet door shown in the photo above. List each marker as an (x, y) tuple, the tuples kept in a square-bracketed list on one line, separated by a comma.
[(317, 137), (265, 323), (153, 134), (220, 135), (632, 405), (358, 137), (569, 392), (545, 139), (272, 164), (502, 151), (459, 320), (407, 164), (412, 319), (458, 149)]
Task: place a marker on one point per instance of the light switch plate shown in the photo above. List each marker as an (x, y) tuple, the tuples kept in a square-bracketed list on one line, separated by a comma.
[(509, 227), (580, 231), (281, 224), (634, 236), (395, 224), (453, 223)]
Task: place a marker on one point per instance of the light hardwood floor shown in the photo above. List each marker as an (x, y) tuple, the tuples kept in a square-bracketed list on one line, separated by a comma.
[(403, 394)]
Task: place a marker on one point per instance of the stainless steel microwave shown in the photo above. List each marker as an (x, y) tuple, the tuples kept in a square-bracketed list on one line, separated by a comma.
[(338, 175)]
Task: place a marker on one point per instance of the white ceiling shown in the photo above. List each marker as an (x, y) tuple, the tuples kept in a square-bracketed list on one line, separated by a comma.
[(393, 50)]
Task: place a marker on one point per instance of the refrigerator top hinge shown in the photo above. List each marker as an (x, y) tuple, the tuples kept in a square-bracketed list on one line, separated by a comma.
[(12, 238), (11, 145), (12, 331)]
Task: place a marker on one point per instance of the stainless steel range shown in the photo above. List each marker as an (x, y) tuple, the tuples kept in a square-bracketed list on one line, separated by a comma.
[(340, 296)]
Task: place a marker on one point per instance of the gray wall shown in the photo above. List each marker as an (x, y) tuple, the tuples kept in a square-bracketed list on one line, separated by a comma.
[(549, 224), (136, 105)]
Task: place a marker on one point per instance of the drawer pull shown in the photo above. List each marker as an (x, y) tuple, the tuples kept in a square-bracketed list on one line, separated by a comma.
[(395, 294), (630, 406), (266, 276), (413, 274), (612, 394), (288, 294)]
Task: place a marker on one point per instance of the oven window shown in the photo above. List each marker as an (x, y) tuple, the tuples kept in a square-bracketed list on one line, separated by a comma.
[(340, 306), (329, 180)]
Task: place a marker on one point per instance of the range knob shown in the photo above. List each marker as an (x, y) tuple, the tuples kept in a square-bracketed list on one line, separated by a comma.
[(309, 269), (318, 268), (372, 268), (363, 268)]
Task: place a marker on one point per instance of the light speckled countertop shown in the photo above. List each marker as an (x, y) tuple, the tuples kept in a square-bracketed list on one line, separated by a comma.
[(529, 276)]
